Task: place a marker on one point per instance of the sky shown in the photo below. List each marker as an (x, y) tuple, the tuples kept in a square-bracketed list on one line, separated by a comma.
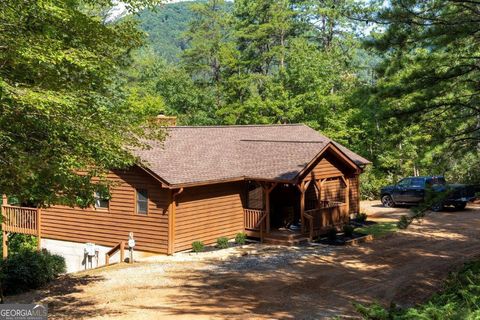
[(120, 9)]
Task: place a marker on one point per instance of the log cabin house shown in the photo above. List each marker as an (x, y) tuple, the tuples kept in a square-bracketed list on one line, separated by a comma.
[(279, 183)]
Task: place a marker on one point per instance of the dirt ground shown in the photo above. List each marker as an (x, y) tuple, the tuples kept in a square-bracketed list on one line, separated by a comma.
[(269, 282)]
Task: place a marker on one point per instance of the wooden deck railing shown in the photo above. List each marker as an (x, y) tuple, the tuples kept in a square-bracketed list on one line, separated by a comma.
[(332, 214), (251, 218), (21, 220), (119, 247), (254, 220)]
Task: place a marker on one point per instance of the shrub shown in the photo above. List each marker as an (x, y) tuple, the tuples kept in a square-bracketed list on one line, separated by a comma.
[(30, 269), (348, 230), (457, 300), (373, 312), (361, 217), (198, 246), (19, 242), (403, 222), (222, 242), (57, 264), (371, 181), (332, 234), (240, 238)]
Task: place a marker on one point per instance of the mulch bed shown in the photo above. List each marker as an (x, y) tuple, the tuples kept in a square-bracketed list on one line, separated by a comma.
[(341, 239)]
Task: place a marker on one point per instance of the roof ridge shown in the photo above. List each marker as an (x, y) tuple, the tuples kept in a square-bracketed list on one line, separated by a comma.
[(240, 125), (284, 141), (192, 154)]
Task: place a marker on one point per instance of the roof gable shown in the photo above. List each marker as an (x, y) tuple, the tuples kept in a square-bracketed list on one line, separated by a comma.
[(338, 154)]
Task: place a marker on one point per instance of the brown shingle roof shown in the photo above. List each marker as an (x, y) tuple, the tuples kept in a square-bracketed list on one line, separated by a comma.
[(203, 154)]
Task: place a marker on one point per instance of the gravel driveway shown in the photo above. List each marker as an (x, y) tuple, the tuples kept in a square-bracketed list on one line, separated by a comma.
[(270, 282)]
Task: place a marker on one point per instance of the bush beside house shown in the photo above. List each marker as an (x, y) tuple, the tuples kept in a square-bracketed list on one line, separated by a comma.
[(29, 269)]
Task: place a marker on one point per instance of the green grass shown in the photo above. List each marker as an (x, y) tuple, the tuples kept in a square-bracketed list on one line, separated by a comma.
[(460, 299), (378, 230)]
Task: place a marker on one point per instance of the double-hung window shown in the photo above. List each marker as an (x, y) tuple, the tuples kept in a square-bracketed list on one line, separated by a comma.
[(142, 201)]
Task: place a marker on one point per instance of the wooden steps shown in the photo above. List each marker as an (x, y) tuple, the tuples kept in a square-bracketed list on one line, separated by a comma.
[(285, 238)]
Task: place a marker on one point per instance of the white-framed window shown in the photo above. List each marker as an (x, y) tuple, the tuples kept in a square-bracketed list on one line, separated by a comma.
[(101, 201)]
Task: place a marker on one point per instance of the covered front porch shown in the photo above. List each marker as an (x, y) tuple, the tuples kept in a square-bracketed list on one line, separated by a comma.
[(284, 213)]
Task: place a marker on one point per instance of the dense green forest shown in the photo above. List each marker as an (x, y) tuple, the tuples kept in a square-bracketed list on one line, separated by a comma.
[(396, 81), (165, 26), (387, 81)]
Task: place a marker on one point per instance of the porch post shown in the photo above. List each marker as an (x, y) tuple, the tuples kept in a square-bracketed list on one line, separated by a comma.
[(4, 243), (4, 233), (268, 188), (347, 194), (357, 191), (39, 229), (267, 209), (302, 205), (303, 186), (321, 186), (319, 189)]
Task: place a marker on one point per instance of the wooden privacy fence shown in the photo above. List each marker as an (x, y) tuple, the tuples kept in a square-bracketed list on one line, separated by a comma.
[(334, 213)]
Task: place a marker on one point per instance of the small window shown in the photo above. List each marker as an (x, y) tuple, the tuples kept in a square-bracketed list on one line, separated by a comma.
[(101, 201), (142, 201)]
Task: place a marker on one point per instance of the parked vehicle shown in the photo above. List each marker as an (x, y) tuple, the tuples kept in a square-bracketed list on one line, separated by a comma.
[(412, 190)]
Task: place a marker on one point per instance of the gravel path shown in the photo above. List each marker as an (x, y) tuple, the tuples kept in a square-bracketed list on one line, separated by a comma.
[(271, 282)]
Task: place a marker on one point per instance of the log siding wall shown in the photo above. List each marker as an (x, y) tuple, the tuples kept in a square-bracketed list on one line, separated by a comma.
[(333, 190), (108, 227), (202, 213), (328, 166), (208, 212), (354, 194)]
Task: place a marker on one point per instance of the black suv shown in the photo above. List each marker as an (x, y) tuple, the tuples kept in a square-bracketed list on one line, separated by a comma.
[(411, 190)]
